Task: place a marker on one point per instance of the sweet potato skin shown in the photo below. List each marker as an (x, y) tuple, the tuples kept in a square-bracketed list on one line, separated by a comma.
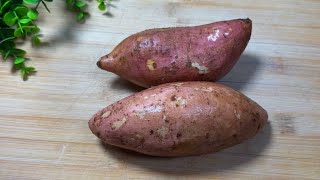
[(180, 119), (200, 53)]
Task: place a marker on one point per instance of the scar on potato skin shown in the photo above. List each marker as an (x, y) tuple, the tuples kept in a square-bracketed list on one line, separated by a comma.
[(204, 89), (237, 114), (162, 132), (118, 124), (178, 101), (151, 64), (106, 114)]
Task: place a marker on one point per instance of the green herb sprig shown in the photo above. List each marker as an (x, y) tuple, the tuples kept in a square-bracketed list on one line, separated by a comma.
[(17, 21)]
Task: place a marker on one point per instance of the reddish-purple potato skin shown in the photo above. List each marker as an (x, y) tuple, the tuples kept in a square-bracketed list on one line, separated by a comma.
[(200, 53), (180, 119)]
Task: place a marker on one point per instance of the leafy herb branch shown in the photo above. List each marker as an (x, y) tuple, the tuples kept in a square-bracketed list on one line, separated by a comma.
[(17, 21)]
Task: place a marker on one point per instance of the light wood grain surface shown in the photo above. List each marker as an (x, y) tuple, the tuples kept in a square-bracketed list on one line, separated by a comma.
[(43, 121)]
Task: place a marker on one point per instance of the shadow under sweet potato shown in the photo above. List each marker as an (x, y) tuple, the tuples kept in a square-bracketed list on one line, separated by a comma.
[(121, 84), (227, 159), (242, 73)]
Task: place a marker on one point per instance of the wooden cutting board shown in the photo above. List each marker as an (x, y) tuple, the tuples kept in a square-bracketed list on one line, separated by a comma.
[(43, 121)]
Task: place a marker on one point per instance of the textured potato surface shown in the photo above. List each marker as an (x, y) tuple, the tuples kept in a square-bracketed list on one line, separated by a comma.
[(180, 119), (200, 53)]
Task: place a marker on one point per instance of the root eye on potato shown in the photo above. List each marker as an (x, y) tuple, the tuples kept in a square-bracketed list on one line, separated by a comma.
[(151, 64), (184, 124)]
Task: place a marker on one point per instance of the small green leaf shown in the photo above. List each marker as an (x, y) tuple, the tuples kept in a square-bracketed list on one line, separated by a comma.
[(80, 16), (80, 4), (6, 55), (4, 6), (21, 11), (31, 1), (6, 32), (45, 5), (19, 66), (30, 70), (69, 1), (24, 21), (36, 41), (102, 6), (35, 30), (27, 71), (26, 29), (19, 60), (33, 14), (7, 45), (24, 74), (6, 39), (18, 32), (10, 18), (18, 52)]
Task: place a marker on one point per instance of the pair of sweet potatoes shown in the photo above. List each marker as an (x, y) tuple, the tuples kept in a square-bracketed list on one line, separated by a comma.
[(179, 118)]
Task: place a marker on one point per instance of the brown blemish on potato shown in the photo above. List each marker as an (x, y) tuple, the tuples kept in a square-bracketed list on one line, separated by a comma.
[(188, 64), (207, 135), (151, 132), (118, 124), (123, 59), (173, 147), (179, 135), (162, 132), (234, 136), (151, 64), (106, 114)]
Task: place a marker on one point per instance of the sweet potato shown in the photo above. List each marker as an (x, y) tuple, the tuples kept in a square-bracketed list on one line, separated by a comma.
[(180, 119), (158, 56)]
